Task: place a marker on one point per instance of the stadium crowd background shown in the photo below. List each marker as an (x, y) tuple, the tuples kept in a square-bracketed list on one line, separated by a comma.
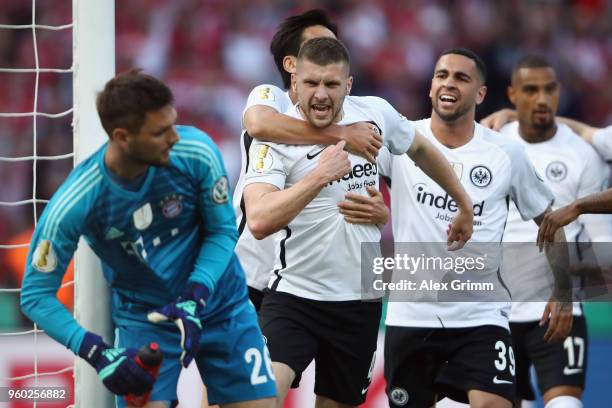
[(211, 53)]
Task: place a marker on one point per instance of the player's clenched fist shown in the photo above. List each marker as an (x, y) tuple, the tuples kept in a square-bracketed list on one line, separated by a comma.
[(116, 367), (334, 162)]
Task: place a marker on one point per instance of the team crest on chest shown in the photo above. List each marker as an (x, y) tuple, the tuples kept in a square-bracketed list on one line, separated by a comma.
[(172, 205), (143, 217), (556, 171), (481, 176)]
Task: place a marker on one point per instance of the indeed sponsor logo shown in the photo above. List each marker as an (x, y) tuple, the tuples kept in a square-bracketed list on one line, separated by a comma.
[(443, 202), (359, 171)]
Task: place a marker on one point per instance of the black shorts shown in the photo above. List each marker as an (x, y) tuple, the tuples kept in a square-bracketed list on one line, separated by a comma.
[(256, 296), (424, 365), (340, 336), (560, 363)]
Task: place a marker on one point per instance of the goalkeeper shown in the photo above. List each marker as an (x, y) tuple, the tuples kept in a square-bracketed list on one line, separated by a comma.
[(153, 203)]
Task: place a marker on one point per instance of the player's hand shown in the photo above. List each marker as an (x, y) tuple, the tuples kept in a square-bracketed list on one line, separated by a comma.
[(460, 231), (362, 139), (498, 119), (558, 314), (359, 209), (116, 367), (334, 163), (185, 313), (554, 220)]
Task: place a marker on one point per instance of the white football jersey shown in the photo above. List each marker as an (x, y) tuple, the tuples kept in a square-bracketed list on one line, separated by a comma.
[(571, 169), (602, 141), (492, 169), (256, 257), (318, 255)]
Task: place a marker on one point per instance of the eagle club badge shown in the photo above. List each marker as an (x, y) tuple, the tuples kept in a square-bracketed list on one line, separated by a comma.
[(172, 205), (556, 171), (44, 258), (481, 176)]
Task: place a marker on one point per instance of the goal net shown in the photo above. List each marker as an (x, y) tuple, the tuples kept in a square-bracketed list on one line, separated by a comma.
[(54, 57)]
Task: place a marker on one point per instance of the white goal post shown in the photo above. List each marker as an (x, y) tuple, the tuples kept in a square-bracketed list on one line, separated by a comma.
[(93, 64)]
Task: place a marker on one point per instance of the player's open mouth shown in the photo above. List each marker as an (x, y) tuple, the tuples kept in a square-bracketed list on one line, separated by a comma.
[(320, 110), (447, 99)]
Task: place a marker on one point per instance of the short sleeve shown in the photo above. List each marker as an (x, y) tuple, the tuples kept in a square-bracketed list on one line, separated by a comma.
[(602, 141), (527, 189), (267, 164), (397, 131), (268, 95)]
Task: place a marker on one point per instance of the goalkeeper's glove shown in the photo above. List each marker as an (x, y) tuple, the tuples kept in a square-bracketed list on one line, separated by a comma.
[(185, 313), (116, 367)]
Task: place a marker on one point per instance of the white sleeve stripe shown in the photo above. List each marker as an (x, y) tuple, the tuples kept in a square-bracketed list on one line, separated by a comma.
[(204, 150), (214, 170), (68, 195), (75, 201)]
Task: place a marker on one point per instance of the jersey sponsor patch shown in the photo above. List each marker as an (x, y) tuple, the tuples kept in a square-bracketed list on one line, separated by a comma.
[(143, 217), (44, 258), (556, 171), (220, 191), (265, 94), (263, 160), (481, 176)]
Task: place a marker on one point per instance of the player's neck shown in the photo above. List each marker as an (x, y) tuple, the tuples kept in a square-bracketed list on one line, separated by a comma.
[(293, 96), (121, 166), (452, 134), (533, 135)]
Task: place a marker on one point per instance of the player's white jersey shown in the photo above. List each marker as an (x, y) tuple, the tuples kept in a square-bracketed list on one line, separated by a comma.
[(256, 257), (571, 169), (602, 141), (318, 255), (492, 169)]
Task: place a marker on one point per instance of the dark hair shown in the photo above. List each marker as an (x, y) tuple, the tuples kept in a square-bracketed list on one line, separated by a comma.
[(480, 65), (324, 51), (128, 97), (530, 61), (288, 37)]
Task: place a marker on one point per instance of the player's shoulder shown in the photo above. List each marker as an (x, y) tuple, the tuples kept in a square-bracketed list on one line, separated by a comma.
[(502, 140), (194, 150), (367, 102), (77, 195), (269, 93), (571, 140)]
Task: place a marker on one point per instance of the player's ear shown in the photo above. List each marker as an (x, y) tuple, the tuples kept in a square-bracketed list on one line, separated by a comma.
[(119, 136), (294, 83), (480, 95), (290, 63), (349, 85), (511, 95)]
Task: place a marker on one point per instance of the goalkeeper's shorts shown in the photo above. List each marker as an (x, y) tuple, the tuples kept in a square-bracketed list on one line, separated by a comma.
[(233, 361)]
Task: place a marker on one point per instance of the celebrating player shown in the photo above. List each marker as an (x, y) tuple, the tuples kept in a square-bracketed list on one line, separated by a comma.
[(153, 203), (314, 307), (264, 119), (571, 169), (458, 349)]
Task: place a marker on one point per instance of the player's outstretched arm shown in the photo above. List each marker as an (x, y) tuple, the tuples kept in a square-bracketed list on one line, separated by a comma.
[(558, 310), (269, 209), (268, 124), (433, 163), (598, 203)]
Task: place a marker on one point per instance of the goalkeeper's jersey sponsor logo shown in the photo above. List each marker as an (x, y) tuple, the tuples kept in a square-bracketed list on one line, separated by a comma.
[(44, 258)]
